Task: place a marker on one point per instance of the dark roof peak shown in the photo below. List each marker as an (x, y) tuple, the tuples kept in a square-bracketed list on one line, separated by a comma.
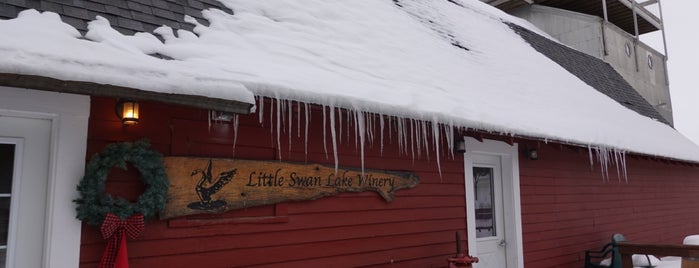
[(593, 71)]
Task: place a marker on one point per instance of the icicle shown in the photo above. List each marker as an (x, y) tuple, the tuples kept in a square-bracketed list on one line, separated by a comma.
[(599, 160), (373, 128), (404, 127), (623, 163), (605, 155), (349, 122), (290, 111), (605, 162), (604, 158), (406, 134), (235, 132), (339, 124), (589, 152), (616, 163), (261, 111), (308, 119), (362, 129), (603, 166), (449, 132), (450, 136), (381, 125), (390, 129), (437, 138), (620, 161), (443, 130), (333, 135), (325, 129), (412, 140), (610, 154), (356, 130), (367, 127), (283, 109), (298, 119), (399, 128), (418, 140), (370, 128), (210, 120), (271, 118), (424, 136), (279, 129)]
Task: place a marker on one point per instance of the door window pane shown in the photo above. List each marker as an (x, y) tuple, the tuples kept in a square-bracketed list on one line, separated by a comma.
[(7, 162), (4, 220), (484, 202)]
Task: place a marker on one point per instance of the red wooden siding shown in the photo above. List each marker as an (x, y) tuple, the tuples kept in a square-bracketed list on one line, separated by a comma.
[(566, 207), (349, 230)]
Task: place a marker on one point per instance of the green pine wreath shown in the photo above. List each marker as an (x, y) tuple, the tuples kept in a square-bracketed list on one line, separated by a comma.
[(94, 203)]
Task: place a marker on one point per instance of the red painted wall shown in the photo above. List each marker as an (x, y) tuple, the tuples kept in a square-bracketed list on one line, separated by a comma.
[(349, 230), (566, 207)]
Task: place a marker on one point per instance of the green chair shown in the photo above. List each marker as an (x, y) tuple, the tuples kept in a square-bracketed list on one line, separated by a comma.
[(594, 259)]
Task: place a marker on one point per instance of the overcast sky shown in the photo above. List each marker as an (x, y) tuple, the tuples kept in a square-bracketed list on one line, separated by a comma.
[(681, 19)]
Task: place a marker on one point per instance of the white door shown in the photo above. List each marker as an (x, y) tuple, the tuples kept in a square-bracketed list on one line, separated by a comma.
[(489, 217), (493, 211), (24, 166)]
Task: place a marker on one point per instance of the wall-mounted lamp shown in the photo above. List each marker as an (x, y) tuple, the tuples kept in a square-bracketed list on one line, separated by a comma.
[(127, 111), (532, 154), (460, 146), (222, 116)]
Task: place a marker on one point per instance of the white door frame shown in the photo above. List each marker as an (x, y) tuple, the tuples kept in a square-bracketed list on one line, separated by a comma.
[(508, 155), (68, 114), (15, 189)]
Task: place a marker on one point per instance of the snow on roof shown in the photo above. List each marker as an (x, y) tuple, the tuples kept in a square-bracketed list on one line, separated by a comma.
[(40, 44), (453, 62)]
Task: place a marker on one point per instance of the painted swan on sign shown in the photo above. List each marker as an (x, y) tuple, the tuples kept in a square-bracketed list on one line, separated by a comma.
[(206, 187)]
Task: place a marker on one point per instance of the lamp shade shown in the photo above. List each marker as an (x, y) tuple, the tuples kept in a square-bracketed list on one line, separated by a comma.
[(127, 111)]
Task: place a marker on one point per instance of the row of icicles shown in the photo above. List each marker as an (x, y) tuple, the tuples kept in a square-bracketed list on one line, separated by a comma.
[(414, 137)]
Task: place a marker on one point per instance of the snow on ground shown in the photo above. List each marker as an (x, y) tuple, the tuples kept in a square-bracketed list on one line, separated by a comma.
[(451, 62), (670, 262)]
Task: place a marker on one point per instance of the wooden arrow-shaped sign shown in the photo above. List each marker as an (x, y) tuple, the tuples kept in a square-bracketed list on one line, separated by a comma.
[(204, 185)]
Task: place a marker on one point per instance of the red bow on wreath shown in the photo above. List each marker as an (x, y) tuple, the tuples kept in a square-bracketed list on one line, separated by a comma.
[(115, 229)]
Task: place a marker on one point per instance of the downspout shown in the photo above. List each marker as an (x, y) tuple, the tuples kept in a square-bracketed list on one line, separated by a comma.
[(604, 27), (635, 26), (662, 30)]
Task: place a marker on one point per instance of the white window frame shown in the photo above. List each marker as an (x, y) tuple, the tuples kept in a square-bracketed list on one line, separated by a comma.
[(68, 114), (509, 157)]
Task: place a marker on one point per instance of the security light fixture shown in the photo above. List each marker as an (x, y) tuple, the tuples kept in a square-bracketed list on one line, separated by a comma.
[(532, 154), (460, 146)]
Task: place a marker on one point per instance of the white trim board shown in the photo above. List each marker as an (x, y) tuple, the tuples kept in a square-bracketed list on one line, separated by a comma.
[(68, 114), (508, 155)]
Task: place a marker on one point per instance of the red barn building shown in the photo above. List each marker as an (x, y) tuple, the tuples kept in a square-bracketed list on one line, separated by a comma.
[(533, 159)]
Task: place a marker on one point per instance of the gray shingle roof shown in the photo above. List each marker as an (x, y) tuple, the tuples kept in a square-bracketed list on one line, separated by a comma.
[(126, 16), (593, 71)]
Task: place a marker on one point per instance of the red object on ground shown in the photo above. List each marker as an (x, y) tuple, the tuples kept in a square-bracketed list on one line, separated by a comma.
[(461, 260)]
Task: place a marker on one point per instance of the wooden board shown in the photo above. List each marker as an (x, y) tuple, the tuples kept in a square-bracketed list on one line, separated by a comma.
[(203, 185)]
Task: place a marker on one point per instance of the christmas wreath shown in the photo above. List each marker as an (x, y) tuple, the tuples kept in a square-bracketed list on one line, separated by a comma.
[(94, 204)]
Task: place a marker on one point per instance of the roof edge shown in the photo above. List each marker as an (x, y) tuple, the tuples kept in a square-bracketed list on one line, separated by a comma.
[(104, 90)]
